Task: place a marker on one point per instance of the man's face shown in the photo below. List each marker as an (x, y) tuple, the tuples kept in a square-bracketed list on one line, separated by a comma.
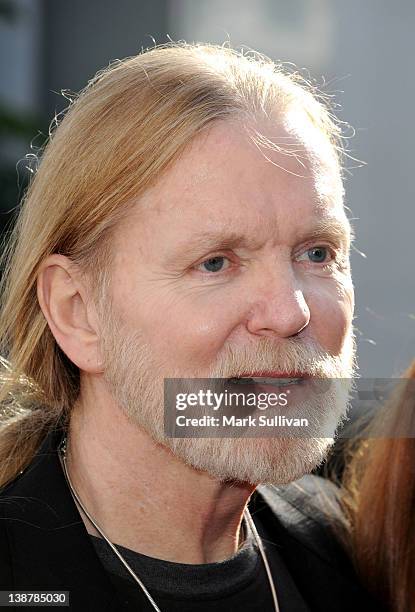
[(235, 261)]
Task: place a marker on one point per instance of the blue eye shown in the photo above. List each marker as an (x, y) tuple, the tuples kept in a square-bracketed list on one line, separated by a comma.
[(317, 254), (213, 264)]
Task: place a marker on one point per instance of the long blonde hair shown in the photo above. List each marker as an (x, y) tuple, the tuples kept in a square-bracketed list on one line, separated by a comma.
[(116, 138)]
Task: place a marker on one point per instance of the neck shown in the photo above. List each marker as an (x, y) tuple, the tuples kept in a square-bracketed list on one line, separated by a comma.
[(143, 497)]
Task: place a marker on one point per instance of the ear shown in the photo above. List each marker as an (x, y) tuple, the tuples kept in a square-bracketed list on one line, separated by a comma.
[(71, 316)]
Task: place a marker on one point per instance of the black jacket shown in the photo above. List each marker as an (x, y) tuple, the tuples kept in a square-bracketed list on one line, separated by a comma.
[(44, 543)]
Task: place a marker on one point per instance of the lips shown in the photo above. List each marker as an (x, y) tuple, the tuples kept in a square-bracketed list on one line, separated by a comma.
[(272, 374), (275, 378)]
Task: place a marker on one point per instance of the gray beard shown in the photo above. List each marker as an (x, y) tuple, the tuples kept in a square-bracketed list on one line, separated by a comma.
[(136, 383)]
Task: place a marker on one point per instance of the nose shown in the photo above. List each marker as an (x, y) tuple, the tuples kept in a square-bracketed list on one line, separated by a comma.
[(279, 308)]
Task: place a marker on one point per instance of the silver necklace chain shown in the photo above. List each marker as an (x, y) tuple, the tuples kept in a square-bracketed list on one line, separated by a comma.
[(247, 515)]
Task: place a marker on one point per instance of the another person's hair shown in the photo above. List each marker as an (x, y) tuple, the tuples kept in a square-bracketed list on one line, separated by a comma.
[(379, 500), (118, 135)]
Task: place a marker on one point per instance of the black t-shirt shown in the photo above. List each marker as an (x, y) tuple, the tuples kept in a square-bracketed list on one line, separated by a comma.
[(237, 583)]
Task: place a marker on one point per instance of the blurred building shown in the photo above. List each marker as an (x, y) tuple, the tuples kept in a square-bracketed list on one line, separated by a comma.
[(363, 50)]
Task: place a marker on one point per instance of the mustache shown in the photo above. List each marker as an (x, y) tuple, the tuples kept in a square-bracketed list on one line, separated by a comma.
[(297, 354), (303, 355)]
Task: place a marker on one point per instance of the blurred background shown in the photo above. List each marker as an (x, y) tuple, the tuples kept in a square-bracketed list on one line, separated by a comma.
[(360, 51)]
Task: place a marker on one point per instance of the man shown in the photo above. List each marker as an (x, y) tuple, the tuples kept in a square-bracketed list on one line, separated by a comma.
[(186, 221)]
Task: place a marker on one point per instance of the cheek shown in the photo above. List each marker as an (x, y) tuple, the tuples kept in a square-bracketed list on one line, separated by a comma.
[(331, 308), (187, 330)]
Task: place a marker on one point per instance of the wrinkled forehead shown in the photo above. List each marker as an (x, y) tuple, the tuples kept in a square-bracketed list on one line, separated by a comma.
[(251, 163), (319, 153)]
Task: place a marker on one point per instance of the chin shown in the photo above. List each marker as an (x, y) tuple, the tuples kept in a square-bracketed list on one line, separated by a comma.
[(252, 460)]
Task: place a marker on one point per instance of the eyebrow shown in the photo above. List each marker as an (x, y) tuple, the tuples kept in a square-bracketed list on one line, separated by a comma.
[(330, 228), (333, 228)]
